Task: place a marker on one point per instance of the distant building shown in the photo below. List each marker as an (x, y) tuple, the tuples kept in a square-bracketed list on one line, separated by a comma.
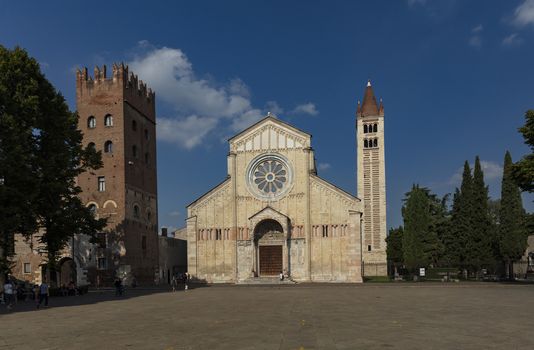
[(117, 117), (172, 254)]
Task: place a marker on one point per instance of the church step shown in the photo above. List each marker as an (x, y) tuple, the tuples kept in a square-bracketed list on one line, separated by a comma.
[(266, 280)]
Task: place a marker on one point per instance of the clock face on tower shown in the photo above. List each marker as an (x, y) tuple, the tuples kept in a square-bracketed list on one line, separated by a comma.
[(269, 176)]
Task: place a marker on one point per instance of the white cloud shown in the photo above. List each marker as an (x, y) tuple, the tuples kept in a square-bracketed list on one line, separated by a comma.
[(512, 40), (174, 213), (475, 40), (524, 14), (416, 2), (200, 105), (274, 108), (323, 166), (306, 108), (492, 171)]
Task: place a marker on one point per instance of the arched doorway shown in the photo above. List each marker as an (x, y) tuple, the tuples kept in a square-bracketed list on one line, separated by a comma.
[(67, 271), (269, 246)]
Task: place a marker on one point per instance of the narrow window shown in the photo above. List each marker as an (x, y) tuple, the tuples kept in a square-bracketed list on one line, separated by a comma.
[(134, 125), (108, 147), (108, 120), (91, 122), (365, 143), (101, 184), (102, 263), (147, 160), (136, 211), (365, 128), (149, 216), (27, 268), (369, 248), (325, 230), (375, 128), (134, 151), (147, 137), (375, 143)]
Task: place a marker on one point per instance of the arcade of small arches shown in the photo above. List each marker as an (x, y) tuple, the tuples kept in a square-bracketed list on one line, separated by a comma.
[(370, 128), (91, 121), (370, 143)]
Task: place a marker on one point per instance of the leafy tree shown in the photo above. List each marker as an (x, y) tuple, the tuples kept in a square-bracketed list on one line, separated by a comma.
[(394, 247), (523, 171), (20, 95), (41, 148), (479, 252), (512, 234), (420, 242)]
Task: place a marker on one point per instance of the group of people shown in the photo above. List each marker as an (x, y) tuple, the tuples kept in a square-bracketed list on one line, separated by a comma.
[(13, 292), (178, 279)]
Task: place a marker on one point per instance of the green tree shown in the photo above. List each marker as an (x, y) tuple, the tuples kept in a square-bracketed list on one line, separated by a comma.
[(479, 251), (512, 233), (394, 248), (523, 171), (461, 221), (19, 106), (41, 148), (420, 242)]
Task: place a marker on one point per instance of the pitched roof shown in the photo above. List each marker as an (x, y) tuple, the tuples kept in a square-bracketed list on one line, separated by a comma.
[(369, 107), (273, 118)]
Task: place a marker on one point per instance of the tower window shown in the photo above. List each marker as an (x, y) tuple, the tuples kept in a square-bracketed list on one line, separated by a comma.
[(365, 143), (375, 128), (91, 122), (101, 184), (27, 268), (136, 211), (369, 248), (91, 145), (108, 120), (134, 125), (375, 143), (134, 151), (325, 230), (149, 216), (365, 128), (108, 147), (147, 137)]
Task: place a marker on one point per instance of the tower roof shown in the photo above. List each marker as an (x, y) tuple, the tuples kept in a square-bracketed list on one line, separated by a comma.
[(369, 107)]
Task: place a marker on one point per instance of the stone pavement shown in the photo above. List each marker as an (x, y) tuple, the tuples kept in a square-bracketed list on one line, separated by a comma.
[(370, 316)]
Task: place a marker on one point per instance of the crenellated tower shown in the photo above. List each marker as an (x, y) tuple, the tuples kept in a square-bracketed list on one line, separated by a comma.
[(371, 182), (118, 117)]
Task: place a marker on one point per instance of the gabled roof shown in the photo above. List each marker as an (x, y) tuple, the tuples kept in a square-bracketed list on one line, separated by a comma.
[(268, 208), (273, 118)]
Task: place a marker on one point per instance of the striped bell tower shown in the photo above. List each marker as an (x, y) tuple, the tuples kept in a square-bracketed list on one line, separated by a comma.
[(371, 182)]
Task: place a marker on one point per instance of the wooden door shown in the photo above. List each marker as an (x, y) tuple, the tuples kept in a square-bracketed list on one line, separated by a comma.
[(270, 260)]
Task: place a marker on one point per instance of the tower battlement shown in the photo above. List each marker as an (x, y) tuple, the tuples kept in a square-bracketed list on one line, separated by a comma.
[(131, 88)]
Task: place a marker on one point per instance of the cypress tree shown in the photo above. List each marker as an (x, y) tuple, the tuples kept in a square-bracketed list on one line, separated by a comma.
[(394, 249), (479, 251), (461, 219), (512, 235)]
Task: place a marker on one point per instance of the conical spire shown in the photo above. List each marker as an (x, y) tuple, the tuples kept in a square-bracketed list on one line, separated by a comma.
[(369, 106)]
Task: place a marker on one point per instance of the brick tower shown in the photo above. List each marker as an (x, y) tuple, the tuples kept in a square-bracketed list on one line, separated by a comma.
[(372, 182), (117, 117)]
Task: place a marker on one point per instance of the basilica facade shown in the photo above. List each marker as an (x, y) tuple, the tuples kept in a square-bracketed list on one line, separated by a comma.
[(273, 214)]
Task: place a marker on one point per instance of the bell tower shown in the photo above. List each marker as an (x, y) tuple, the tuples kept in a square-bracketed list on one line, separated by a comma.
[(371, 182)]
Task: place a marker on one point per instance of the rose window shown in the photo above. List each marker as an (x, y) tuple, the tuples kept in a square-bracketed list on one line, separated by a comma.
[(270, 176)]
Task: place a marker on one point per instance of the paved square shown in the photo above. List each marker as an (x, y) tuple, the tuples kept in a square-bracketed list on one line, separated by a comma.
[(371, 316)]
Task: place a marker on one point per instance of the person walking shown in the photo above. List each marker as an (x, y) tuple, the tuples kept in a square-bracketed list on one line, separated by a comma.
[(43, 294), (186, 278), (8, 293), (174, 282)]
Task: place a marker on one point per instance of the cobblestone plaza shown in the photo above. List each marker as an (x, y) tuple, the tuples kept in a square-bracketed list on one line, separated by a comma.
[(369, 316)]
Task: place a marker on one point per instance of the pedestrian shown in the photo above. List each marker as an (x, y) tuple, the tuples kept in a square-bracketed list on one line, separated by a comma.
[(118, 287), (8, 293), (174, 282), (43, 294), (186, 277), (281, 276)]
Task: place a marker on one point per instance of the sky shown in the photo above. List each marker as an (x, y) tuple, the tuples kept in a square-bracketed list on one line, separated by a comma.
[(456, 78)]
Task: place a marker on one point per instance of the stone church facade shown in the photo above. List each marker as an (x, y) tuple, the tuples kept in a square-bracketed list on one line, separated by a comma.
[(273, 213)]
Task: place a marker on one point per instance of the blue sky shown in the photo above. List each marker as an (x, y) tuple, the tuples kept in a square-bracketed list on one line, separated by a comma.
[(456, 78)]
